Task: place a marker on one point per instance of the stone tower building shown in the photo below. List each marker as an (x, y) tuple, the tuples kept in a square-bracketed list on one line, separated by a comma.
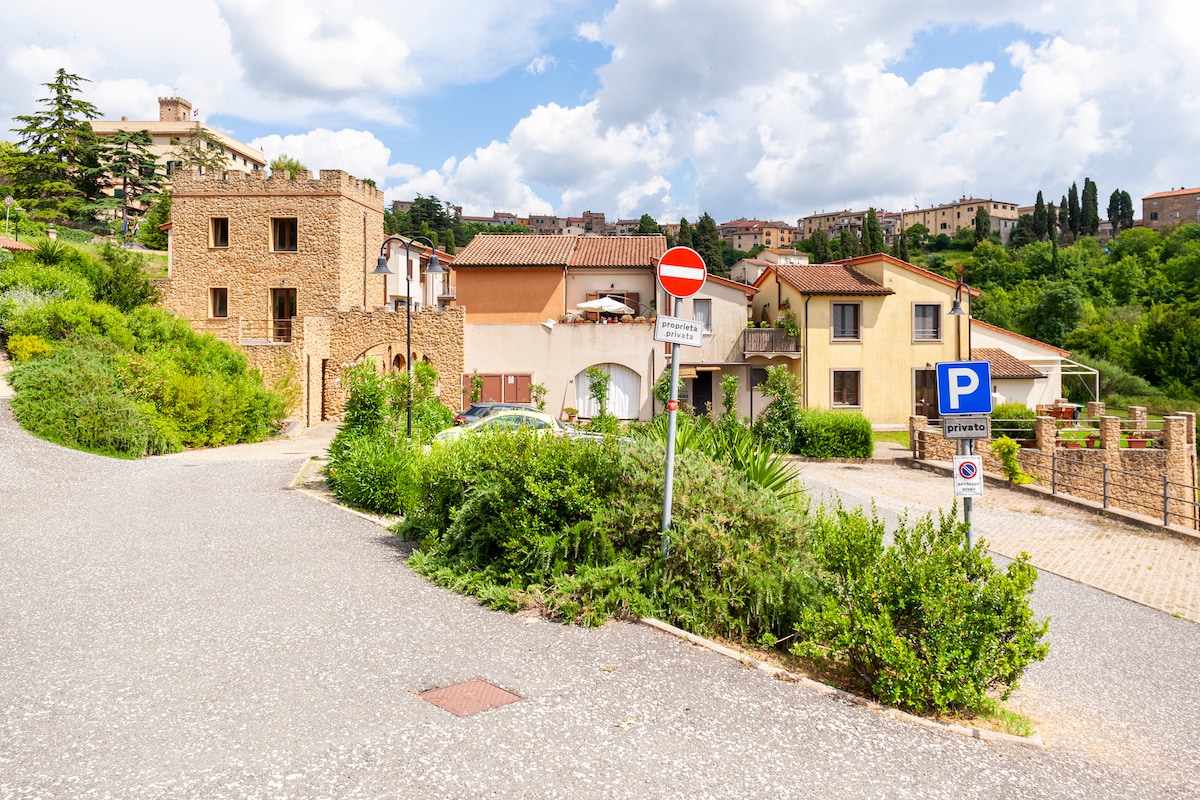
[(282, 269)]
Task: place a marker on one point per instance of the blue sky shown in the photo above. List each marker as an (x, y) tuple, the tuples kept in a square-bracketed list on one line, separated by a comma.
[(770, 109)]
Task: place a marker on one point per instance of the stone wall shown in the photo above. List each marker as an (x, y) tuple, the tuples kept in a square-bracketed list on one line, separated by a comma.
[(1106, 469)]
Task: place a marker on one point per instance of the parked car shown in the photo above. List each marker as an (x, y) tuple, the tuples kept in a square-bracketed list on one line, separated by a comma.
[(508, 419), (478, 411)]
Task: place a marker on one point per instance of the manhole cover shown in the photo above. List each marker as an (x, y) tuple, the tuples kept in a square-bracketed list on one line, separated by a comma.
[(469, 697)]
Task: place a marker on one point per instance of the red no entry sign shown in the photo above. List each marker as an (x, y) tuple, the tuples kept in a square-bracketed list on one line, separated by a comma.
[(681, 272)]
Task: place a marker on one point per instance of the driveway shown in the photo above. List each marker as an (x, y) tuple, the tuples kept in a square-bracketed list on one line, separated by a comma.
[(192, 627)]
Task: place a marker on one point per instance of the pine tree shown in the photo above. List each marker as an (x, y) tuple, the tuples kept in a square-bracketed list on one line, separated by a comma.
[(707, 242), (1074, 211), (125, 160), (685, 237), (1039, 217), (57, 145), (820, 246), (1127, 211), (1089, 215), (199, 149), (983, 224), (873, 241)]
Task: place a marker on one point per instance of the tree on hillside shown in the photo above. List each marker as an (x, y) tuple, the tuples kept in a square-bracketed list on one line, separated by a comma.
[(127, 162), (707, 242), (917, 235), (149, 234), (1023, 232), (57, 146), (1064, 218), (1127, 211), (648, 225), (1113, 212), (1089, 221), (285, 163), (1074, 211), (1051, 221), (1058, 310), (685, 236), (872, 241), (199, 149), (900, 248), (848, 245), (820, 247), (1039, 218), (983, 224)]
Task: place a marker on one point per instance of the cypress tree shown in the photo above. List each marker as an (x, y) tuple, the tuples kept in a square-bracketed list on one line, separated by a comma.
[(1074, 211), (1039, 218)]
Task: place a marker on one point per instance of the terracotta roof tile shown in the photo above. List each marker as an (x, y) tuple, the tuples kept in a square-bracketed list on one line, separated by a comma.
[(13, 244), (828, 279), (618, 251), (515, 250), (1004, 364), (1172, 193)]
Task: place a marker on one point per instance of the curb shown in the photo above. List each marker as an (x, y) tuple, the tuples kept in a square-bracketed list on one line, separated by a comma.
[(892, 713)]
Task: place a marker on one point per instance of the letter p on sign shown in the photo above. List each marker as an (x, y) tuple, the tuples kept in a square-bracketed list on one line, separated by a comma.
[(964, 387)]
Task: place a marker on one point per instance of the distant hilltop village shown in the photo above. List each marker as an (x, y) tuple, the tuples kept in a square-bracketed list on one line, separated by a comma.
[(1159, 210)]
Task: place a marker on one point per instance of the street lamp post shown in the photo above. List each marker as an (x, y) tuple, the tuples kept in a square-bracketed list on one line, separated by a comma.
[(957, 311), (434, 268)]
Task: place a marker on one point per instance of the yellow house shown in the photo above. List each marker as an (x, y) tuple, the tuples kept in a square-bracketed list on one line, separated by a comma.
[(868, 332)]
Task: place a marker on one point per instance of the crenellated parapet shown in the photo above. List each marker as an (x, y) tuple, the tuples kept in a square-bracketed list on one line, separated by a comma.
[(260, 183)]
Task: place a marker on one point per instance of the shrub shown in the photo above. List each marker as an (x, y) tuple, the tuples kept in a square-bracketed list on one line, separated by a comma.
[(777, 424), (43, 280), (833, 434), (1006, 450), (25, 347), (68, 319), (73, 397), (372, 470), (1019, 420), (925, 624)]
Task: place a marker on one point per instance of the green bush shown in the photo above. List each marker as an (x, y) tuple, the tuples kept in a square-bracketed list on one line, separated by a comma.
[(1017, 420), (43, 280), (833, 434), (74, 397), (372, 471), (925, 624), (24, 347), (777, 424), (68, 319)]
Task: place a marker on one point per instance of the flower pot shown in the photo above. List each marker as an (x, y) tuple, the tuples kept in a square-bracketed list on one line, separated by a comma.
[(1072, 444), (1138, 443)]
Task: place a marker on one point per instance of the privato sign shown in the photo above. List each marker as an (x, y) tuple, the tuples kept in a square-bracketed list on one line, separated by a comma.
[(681, 272)]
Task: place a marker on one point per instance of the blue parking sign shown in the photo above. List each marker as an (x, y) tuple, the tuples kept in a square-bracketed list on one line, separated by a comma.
[(964, 387)]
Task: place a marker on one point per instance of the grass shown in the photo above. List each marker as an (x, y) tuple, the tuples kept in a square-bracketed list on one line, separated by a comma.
[(895, 437)]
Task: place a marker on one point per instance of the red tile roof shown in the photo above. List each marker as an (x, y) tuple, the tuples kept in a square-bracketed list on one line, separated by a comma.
[(618, 251), (827, 279), (555, 250), (745, 287), (13, 244), (1004, 364), (515, 250), (1172, 193)]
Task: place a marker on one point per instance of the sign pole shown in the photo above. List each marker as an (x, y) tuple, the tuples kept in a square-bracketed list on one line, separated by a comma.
[(965, 448), (672, 408)]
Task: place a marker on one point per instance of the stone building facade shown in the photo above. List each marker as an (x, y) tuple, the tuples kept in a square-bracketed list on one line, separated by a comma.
[(282, 268)]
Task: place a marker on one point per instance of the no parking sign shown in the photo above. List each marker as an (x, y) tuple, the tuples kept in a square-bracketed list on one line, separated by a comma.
[(968, 476)]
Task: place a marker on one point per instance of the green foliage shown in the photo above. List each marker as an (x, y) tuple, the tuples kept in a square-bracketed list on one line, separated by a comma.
[(26, 348), (537, 393), (122, 281), (372, 470), (69, 319), (74, 397), (1007, 450), (777, 424), (476, 387), (1016, 418), (925, 624), (43, 280), (599, 386), (284, 163), (729, 391), (821, 433), (149, 234)]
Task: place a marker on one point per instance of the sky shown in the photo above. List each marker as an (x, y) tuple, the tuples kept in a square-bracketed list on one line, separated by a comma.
[(762, 109)]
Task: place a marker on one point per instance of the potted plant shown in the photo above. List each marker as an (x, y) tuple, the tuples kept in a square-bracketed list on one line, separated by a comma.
[(1138, 440), (570, 413), (627, 318), (562, 317), (640, 320)]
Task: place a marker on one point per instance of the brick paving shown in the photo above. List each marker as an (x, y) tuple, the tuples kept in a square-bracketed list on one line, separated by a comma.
[(1150, 568)]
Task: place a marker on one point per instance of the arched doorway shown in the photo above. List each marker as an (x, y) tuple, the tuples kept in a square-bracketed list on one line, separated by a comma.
[(624, 392)]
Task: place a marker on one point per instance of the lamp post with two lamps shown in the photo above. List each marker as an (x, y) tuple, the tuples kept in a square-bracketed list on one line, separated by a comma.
[(434, 268)]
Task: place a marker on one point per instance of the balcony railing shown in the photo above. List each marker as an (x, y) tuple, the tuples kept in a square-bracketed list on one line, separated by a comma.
[(769, 340)]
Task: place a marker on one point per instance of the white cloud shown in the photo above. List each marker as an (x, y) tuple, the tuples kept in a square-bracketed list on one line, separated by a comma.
[(541, 65), (359, 153)]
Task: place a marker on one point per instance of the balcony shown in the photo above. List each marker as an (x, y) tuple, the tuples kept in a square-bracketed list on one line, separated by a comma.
[(764, 341)]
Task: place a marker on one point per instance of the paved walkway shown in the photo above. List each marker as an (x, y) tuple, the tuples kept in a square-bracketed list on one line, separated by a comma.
[(186, 626)]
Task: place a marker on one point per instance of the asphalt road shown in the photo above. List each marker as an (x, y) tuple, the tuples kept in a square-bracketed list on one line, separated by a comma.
[(191, 627)]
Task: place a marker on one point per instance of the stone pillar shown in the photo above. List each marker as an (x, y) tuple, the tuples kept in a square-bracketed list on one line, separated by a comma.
[(1110, 440), (1046, 433), (1095, 410), (1182, 485), (917, 423), (1137, 418)]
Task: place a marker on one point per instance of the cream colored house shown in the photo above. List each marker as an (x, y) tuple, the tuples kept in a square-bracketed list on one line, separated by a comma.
[(870, 330), (525, 325)]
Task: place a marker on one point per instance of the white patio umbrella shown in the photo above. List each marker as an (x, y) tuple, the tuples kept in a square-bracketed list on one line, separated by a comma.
[(606, 304)]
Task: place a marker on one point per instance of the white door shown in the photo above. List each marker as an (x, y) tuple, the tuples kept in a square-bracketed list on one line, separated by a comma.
[(624, 389)]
